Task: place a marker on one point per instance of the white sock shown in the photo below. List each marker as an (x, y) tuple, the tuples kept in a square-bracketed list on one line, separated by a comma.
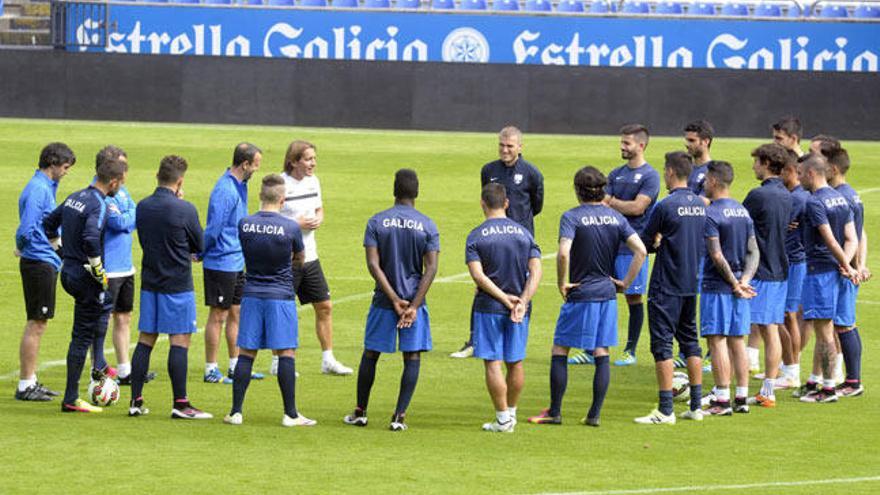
[(327, 356), (815, 378), (123, 369), (783, 370), (794, 371), (838, 365), (753, 354), (767, 388), (742, 392), (24, 384), (232, 363), (274, 360), (502, 416), (828, 383), (512, 411), (210, 366), (722, 394)]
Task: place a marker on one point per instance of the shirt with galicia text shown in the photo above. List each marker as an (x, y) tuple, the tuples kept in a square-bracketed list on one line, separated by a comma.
[(855, 204), (769, 206), (825, 207), (595, 231), (525, 189), (727, 220), (82, 218), (503, 248), (680, 219), (794, 237), (268, 242), (403, 236), (697, 179), (626, 183)]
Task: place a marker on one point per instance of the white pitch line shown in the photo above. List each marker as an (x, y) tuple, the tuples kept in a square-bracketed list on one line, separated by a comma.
[(710, 488)]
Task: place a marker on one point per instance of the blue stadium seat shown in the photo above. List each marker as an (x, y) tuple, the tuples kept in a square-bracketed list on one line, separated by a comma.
[(867, 12), (600, 7), (734, 9), (794, 11), (345, 3), (443, 4), (218, 2), (408, 4), (701, 8), (538, 6), (156, 1), (570, 6), (313, 3), (669, 8), (472, 5), (248, 2), (281, 3), (184, 1), (507, 5), (377, 4), (767, 10), (833, 12), (635, 7)]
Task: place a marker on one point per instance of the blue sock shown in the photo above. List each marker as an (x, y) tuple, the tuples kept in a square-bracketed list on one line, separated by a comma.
[(850, 346), (558, 382), (241, 378), (601, 379), (666, 402), (140, 365), (177, 367), (696, 396), (636, 319), (366, 376), (286, 382), (408, 381)]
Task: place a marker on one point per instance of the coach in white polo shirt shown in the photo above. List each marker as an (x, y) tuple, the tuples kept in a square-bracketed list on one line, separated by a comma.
[(302, 202)]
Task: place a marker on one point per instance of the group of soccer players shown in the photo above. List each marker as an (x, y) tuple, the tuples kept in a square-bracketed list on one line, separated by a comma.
[(794, 251)]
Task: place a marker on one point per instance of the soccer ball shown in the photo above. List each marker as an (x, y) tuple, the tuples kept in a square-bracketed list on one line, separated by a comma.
[(680, 386), (104, 392)]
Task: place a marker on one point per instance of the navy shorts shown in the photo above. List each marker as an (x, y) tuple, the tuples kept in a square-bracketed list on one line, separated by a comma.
[(167, 313), (382, 334), (673, 317), (498, 338), (267, 324)]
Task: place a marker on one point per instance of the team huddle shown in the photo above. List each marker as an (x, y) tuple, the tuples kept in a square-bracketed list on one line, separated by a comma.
[(784, 263)]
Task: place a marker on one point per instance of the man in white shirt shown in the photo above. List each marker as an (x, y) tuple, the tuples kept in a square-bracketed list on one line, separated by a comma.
[(303, 203)]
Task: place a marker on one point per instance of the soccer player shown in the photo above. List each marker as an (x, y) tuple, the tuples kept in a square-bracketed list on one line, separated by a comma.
[(223, 262), (589, 237), (770, 208), (272, 245), (82, 218), (672, 297), (505, 263), (171, 237), (39, 264), (402, 247), (524, 186), (787, 132), (304, 203), (731, 261), (831, 243), (698, 137)]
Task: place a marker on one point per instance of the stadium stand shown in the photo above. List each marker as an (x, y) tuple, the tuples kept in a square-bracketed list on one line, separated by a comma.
[(734, 9), (634, 7), (538, 6), (570, 6), (443, 4), (669, 8), (767, 10)]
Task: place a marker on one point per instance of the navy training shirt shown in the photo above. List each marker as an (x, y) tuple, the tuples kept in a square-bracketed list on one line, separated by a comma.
[(794, 238), (825, 206), (626, 183), (524, 185), (680, 218), (169, 233), (697, 179), (769, 206), (403, 236), (727, 220), (268, 242), (82, 218), (855, 204), (595, 231), (503, 248)]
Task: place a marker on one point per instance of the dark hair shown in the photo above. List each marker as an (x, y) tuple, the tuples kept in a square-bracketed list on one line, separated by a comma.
[(702, 128), (244, 152), (272, 190), (171, 169), (295, 152), (111, 169), (772, 154), (55, 154), (826, 140), (108, 153), (589, 184), (813, 161), (406, 184), (680, 163), (639, 131), (721, 171), (494, 195), (789, 125), (838, 158)]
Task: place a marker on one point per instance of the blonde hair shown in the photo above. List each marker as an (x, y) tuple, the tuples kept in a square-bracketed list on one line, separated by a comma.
[(295, 152)]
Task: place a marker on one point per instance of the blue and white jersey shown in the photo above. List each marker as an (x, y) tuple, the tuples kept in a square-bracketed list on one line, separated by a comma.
[(794, 238), (697, 179), (729, 221), (226, 207), (769, 206), (36, 201), (855, 204), (82, 218), (402, 236), (680, 219), (825, 207), (626, 183), (121, 220), (268, 242), (503, 247), (595, 231)]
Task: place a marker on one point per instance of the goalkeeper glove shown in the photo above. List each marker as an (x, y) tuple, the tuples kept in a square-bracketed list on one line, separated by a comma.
[(96, 270)]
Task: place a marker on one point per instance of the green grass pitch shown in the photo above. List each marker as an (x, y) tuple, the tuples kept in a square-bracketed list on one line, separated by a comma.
[(444, 451)]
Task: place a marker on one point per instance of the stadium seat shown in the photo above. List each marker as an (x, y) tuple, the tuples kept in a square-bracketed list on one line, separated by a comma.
[(635, 7), (794, 11), (507, 5), (408, 4), (867, 12), (538, 6), (345, 3), (833, 12), (669, 8), (377, 4), (600, 7), (281, 3), (767, 10), (443, 4), (156, 1), (570, 6), (248, 2), (184, 1), (218, 2), (700, 8), (734, 9), (313, 3), (472, 5)]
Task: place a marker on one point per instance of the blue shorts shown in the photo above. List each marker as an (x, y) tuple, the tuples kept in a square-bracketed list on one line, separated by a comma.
[(167, 313), (587, 325), (845, 316), (497, 338), (621, 266), (796, 274), (267, 324), (768, 307), (382, 333), (821, 293), (724, 314)]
